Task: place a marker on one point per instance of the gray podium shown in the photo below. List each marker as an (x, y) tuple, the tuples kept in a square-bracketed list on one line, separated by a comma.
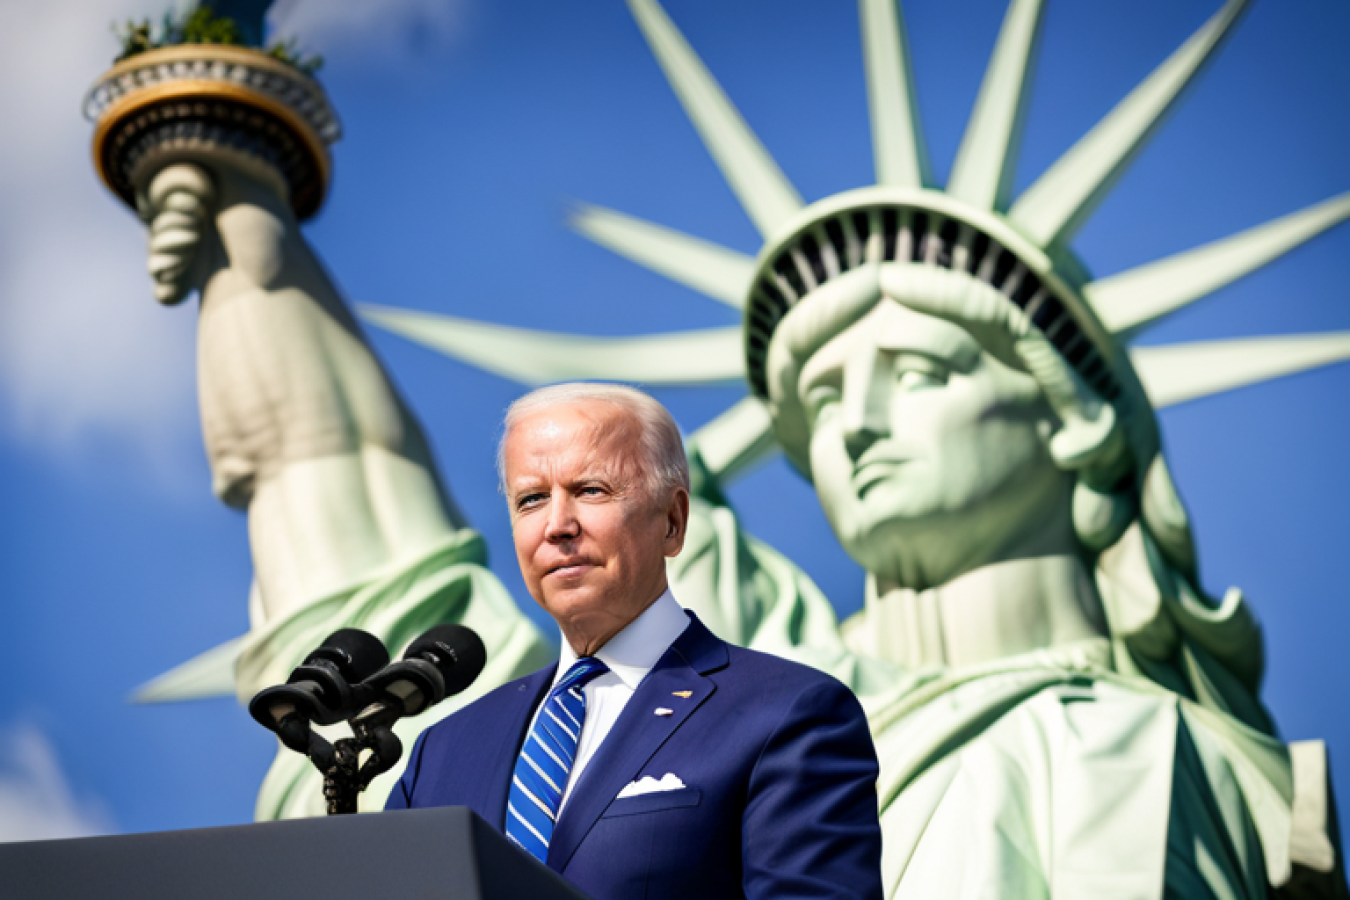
[(445, 854)]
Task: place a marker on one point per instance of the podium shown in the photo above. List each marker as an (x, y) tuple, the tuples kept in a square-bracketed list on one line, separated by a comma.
[(446, 854)]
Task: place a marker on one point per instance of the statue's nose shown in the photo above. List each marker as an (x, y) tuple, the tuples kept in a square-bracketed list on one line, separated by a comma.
[(857, 441), (866, 399)]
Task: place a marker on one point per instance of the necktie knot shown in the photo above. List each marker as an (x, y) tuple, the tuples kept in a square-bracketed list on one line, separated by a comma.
[(583, 672)]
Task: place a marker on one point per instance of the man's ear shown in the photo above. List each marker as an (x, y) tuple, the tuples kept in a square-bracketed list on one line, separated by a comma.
[(677, 521)]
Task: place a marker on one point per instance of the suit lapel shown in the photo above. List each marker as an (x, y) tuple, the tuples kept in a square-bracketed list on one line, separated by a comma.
[(516, 719), (639, 733)]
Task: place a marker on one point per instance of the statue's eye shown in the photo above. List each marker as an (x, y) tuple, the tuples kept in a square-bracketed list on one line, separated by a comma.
[(819, 399), (916, 372), (911, 380)]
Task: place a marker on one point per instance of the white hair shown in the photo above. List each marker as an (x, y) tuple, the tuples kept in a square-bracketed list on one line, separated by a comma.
[(663, 464)]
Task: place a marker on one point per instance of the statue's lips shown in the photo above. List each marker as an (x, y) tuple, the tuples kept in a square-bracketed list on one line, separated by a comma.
[(872, 472)]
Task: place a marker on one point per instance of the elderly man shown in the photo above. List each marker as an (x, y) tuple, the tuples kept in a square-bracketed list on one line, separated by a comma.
[(654, 760)]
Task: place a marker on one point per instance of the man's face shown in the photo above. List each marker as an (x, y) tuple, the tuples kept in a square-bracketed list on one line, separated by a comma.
[(591, 542), (929, 456)]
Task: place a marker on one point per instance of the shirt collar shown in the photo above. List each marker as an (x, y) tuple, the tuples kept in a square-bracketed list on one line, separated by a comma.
[(632, 652)]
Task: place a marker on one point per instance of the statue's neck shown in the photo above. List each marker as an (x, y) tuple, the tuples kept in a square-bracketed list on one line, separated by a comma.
[(1000, 609)]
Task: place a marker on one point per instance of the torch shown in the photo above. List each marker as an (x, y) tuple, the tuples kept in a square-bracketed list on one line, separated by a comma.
[(203, 95)]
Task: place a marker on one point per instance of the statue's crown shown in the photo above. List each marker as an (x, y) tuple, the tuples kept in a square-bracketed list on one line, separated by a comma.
[(885, 224)]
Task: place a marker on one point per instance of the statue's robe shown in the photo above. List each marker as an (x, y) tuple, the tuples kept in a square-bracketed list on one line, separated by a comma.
[(1134, 767)]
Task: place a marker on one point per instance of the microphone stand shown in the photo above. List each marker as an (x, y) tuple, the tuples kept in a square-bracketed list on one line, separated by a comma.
[(344, 775)]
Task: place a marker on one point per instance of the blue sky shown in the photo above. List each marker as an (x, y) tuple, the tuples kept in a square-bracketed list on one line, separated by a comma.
[(470, 127)]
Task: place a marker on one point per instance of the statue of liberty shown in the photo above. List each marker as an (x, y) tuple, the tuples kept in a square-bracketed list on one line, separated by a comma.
[(1059, 709)]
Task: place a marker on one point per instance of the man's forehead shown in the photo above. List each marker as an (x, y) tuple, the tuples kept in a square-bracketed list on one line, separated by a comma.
[(586, 432), (580, 419)]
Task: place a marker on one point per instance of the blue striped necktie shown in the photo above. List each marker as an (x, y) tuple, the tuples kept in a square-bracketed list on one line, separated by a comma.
[(546, 760)]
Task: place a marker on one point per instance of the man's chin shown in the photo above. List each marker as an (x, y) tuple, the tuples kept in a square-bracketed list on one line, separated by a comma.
[(572, 600)]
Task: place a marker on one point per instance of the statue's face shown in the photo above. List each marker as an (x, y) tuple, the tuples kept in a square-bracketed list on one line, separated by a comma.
[(929, 455)]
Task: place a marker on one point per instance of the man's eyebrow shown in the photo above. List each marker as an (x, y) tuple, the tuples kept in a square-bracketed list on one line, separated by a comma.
[(523, 486)]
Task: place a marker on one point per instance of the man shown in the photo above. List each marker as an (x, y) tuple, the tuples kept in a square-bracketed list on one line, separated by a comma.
[(654, 760)]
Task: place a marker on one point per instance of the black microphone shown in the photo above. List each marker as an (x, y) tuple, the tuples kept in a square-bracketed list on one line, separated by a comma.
[(442, 662), (322, 689), (349, 677)]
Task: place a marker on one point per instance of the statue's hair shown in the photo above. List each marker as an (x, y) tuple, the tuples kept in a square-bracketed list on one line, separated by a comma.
[(663, 464)]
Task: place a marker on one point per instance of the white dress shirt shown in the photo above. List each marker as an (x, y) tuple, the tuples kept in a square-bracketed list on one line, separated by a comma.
[(630, 655)]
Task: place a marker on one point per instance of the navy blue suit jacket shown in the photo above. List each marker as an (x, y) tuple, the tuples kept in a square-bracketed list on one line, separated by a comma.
[(777, 761)]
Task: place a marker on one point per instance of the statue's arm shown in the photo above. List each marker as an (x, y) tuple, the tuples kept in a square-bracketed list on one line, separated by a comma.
[(303, 428)]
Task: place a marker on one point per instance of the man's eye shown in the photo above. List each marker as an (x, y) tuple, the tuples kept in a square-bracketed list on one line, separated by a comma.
[(592, 490), (529, 500)]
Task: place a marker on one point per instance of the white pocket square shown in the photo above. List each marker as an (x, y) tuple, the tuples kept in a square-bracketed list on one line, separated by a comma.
[(649, 785)]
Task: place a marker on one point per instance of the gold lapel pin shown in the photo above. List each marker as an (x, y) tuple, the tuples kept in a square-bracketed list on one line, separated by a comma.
[(662, 711), (685, 694)]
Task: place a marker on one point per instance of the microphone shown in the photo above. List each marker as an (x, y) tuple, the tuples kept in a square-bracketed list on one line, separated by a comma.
[(349, 676), (322, 689), (442, 662)]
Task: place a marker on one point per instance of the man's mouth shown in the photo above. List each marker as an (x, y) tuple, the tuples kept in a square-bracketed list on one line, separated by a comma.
[(570, 568)]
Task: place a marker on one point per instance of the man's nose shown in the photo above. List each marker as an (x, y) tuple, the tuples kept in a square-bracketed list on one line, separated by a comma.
[(866, 399), (562, 524)]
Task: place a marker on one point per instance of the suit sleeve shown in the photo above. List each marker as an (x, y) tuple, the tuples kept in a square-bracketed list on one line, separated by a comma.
[(810, 827), (401, 795)]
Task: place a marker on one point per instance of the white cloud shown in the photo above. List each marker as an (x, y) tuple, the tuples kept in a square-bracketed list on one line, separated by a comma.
[(36, 801), (369, 28), (84, 349)]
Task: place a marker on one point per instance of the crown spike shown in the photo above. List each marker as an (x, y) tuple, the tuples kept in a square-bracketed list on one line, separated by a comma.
[(763, 191), (1130, 301), (1176, 373), (540, 357), (898, 150), (1052, 209), (208, 674), (736, 440), (711, 269), (983, 171)]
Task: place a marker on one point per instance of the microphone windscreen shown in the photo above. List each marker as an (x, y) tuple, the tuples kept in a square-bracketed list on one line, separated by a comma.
[(456, 651), (357, 654)]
